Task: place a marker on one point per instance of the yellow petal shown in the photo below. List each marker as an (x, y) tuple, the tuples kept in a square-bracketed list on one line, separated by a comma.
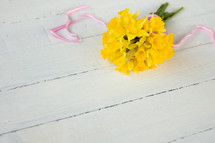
[(136, 15), (130, 65)]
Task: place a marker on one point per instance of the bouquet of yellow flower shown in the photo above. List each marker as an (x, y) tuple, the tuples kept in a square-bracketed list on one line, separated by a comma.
[(138, 44), (130, 43)]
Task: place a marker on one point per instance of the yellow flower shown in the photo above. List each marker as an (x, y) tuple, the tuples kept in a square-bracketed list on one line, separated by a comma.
[(136, 44)]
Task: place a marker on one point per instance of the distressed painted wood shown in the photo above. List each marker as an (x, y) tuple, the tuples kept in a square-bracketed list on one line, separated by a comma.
[(170, 117), (52, 91), (198, 137), (74, 95)]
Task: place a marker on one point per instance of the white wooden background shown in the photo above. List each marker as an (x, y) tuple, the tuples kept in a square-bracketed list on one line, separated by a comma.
[(57, 92)]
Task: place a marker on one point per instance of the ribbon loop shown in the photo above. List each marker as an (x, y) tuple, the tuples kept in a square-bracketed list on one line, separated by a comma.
[(54, 31)]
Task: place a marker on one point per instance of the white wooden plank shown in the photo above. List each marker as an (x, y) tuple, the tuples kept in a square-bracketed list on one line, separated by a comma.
[(24, 10), (44, 8), (165, 118), (207, 136), (28, 55), (71, 96)]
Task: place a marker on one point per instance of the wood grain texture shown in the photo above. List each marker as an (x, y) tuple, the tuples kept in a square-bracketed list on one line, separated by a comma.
[(170, 117), (90, 91), (52, 91), (198, 137)]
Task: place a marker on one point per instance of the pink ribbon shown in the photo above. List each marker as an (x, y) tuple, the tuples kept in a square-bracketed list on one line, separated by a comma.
[(54, 31), (194, 30)]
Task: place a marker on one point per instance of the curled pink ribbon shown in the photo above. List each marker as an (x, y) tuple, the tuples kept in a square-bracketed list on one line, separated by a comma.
[(54, 31), (194, 30)]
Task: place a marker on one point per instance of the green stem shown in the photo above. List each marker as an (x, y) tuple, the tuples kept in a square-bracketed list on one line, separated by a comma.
[(159, 9), (170, 15), (166, 15), (162, 10)]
